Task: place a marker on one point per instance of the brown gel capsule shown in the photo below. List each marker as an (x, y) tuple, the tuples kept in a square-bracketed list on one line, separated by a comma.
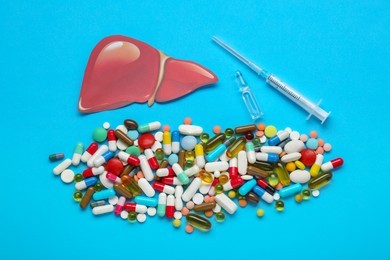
[(204, 206), (182, 158), (254, 171), (130, 124), (245, 128), (126, 170), (163, 164), (87, 197), (120, 135), (122, 191), (252, 197)]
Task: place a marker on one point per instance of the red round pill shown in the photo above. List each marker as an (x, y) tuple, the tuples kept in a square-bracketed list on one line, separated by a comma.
[(146, 140), (114, 166), (308, 157)]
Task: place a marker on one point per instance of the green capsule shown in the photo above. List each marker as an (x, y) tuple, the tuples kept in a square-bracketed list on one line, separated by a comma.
[(204, 137), (198, 222), (78, 196), (159, 154), (279, 205), (56, 157), (229, 132), (236, 147), (220, 216), (78, 177), (98, 187), (79, 149), (132, 217), (212, 143), (306, 194), (320, 180), (282, 174)]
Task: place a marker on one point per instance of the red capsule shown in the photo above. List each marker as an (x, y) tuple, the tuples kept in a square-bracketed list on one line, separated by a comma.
[(170, 208), (111, 135), (92, 148), (151, 159)]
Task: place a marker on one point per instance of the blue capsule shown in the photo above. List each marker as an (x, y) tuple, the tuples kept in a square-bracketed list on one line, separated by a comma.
[(104, 194), (143, 200), (290, 190), (247, 187)]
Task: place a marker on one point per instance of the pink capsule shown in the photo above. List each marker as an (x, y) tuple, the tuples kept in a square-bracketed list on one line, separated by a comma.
[(112, 177), (119, 205)]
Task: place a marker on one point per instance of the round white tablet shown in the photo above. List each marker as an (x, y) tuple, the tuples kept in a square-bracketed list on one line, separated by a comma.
[(124, 214), (177, 215), (276, 196), (106, 125), (141, 217), (315, 193), (113, 200), (294, 135), (158, 136), (67, 176), (198, 198), (151, 211)]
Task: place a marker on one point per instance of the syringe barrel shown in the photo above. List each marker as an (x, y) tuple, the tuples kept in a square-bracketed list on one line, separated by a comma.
[(297, 97)]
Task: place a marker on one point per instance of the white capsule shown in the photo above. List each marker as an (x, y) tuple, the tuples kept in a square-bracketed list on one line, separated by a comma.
[(247, 177), (251, 156), (85, 157), (178, 194), (171, 200), (162, 172), (226, 203), (141, 208), (168, 189), (190, 130), (146, 187), (291, 157), (242, 163), (191, 189), (76, 159), (224, 157), (175, 147), (162, 199), (102, 209), (192, 171), (62, 166), (112, 145), (271, 149), (267, 197), (167, 149), (145, 167), (216, 166), (102, 149)]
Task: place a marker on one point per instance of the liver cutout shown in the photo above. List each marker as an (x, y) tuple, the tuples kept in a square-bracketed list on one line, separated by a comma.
[(123, 70)]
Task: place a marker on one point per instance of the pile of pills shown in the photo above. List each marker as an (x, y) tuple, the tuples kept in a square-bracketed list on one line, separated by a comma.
[(137, 171)]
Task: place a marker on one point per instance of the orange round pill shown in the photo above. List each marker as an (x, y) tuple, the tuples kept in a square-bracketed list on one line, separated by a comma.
[(190, 205), (140, 175), (259, 133), (189, 229), (184, 211), (211, 199), (313, 134), (217, 129), (282, 154), (320, 142), (166, 128), (261, 127), (320, 150), (206, 198), (242, 203), (303, 137), (187, 121), (279, 186), (208, 213)]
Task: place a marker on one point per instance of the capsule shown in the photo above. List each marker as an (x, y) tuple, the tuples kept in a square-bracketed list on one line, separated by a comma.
[(247, 187), (236, 147), (175, 141), (255, 171), (233, 169), (192, 171), (290, 190), (93, 171), (111, 140), (81, 185), (146, 187), (78, 151), (216, 166), (56, 157), (282, 174), (101, 150), (213, 142), (316, 167), (252, 197), (170, 209), (271, 149), (121, 189), (149, 127), (191, 189), (290, 157), (178, 194), (328, 166), (268, 188), (104, 194), (164, 172), (242, 162), (129, 158), (198, 222), (103, 158), (250, 152), (129, 206), (263, 194), (163, 164), (62, 166), (167, 143), (92, 148), (102, 209), (87, 197), (123, 137), (233, 184), (162, 187), (162, 204), (152, 160), (267, 157), (145, 167), (183, 178), (244, 129), (278, 138), (320, 181), (226, 203), (119, 206), (182, 158), (143, 200), (131, 185), (97, 203), (171, 180), (112, 177)]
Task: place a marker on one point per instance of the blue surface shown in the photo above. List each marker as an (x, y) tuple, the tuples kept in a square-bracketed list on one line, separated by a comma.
[(335, 50)]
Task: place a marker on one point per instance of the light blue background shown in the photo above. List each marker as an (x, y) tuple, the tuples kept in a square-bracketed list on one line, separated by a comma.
[(335, 50)]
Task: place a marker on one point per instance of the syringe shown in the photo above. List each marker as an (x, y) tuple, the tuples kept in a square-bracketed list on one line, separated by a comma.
[(288, 91)]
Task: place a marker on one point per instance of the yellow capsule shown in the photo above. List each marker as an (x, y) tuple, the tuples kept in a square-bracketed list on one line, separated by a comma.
[(206, 176), (236, 147), (199, 150), (223, 178), (300, 165), (320, 181), (314, 170), (167, 137), (282, 174)]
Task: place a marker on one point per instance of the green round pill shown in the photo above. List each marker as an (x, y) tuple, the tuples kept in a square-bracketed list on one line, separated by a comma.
[(133, 150), (99, 134)]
